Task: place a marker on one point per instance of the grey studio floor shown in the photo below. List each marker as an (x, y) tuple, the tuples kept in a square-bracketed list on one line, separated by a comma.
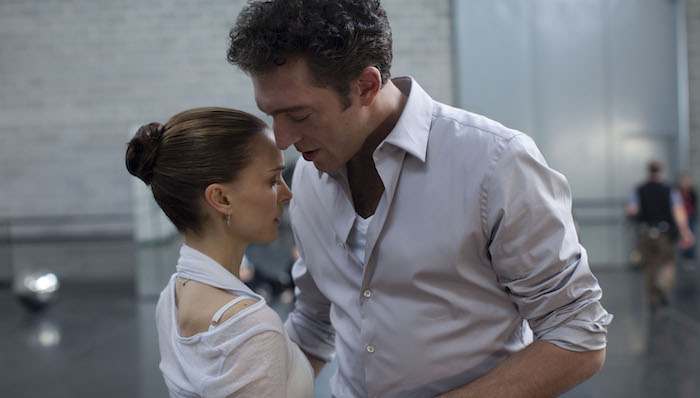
[(99, 341)]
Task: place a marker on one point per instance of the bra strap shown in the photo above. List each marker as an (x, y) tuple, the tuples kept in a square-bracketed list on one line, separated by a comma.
[(220, 312)]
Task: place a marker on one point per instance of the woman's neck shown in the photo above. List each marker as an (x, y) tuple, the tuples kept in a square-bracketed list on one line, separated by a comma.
[(220, 247)]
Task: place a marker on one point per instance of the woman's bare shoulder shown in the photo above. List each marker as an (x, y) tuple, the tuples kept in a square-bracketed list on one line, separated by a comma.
[(198, 303)]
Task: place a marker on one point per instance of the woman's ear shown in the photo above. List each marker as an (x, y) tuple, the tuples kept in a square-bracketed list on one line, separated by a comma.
[(219, 198)]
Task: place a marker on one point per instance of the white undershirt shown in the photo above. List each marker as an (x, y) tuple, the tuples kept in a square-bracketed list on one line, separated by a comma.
[(357, 241)]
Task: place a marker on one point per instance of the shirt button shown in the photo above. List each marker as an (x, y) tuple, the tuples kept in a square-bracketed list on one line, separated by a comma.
[(342, 245), (370, 349), (367, 293)]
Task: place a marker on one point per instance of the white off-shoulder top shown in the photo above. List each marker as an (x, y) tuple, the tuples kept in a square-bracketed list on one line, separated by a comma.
[(249, 355)]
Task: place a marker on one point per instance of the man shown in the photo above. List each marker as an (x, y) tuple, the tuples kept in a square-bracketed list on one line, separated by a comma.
[(433, 241), (661, 215)]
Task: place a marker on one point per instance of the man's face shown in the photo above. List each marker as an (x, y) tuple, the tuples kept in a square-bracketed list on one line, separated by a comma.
[(309, 117)]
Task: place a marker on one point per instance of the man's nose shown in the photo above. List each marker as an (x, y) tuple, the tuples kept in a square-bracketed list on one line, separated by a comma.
[(284, 137)]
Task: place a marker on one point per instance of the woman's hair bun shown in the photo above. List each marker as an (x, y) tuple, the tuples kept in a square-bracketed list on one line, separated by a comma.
[(143, 150)]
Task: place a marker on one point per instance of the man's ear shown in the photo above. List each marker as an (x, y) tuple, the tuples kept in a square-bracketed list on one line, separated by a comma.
[(219, 198), (369, 83)]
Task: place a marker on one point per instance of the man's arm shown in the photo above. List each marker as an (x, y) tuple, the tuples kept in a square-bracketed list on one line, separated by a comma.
[(541, 265), (309, 324), (681, 220), (540, 370)]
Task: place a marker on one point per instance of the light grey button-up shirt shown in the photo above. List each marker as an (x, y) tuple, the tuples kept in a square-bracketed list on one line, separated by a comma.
[(470, 254)]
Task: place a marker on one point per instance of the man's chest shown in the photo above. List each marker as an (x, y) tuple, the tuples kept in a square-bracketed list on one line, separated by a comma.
[(426, 224), (366, 187)]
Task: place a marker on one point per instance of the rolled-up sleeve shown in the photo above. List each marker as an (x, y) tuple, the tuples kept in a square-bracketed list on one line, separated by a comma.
[(535, 252), (309, 323)]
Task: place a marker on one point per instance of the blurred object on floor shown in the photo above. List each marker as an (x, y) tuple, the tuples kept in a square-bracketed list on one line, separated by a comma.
[(36, 289)]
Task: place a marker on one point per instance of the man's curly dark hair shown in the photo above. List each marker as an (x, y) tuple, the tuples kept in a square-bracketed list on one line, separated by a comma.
[(337, 39)]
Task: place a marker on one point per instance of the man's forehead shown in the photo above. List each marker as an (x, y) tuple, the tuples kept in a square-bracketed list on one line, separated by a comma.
[(276, 102), (294, 71), (281, 93)]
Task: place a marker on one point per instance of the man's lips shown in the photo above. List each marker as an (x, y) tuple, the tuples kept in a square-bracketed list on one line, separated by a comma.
[(310, 155)]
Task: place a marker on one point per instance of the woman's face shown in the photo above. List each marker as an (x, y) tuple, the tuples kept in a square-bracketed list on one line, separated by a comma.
[(684, 182), (259, 193)]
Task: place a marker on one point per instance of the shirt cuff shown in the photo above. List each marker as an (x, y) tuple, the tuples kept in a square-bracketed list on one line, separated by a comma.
[(580, 334)]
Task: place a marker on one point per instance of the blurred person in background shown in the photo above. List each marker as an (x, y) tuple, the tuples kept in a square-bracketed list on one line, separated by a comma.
[(433, 242), (659, 211), (217, 175), (685, 187)]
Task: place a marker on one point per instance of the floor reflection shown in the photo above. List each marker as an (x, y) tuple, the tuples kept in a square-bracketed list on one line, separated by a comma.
[(99, 340), (40, 331)]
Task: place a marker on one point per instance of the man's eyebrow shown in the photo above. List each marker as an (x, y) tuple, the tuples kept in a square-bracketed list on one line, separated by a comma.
[(287, 109)]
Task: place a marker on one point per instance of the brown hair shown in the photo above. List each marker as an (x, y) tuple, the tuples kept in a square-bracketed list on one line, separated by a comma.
[(337, 38), (194, 149), (654, 166)]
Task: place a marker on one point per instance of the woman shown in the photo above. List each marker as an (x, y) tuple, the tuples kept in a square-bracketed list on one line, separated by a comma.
[(216, 173), (685, 187)]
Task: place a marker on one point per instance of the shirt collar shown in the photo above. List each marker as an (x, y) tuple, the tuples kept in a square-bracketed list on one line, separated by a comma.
[(411, 132), (413, 128), (197, 266)]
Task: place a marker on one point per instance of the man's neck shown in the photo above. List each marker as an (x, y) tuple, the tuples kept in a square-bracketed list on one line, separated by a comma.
[(389, 106), (365, 183)]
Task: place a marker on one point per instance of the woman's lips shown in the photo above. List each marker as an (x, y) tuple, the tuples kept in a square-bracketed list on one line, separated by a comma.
[(310, 155)]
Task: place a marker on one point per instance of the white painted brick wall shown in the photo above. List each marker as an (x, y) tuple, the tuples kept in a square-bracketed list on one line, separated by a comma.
[(422, 34), (76, 75)]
